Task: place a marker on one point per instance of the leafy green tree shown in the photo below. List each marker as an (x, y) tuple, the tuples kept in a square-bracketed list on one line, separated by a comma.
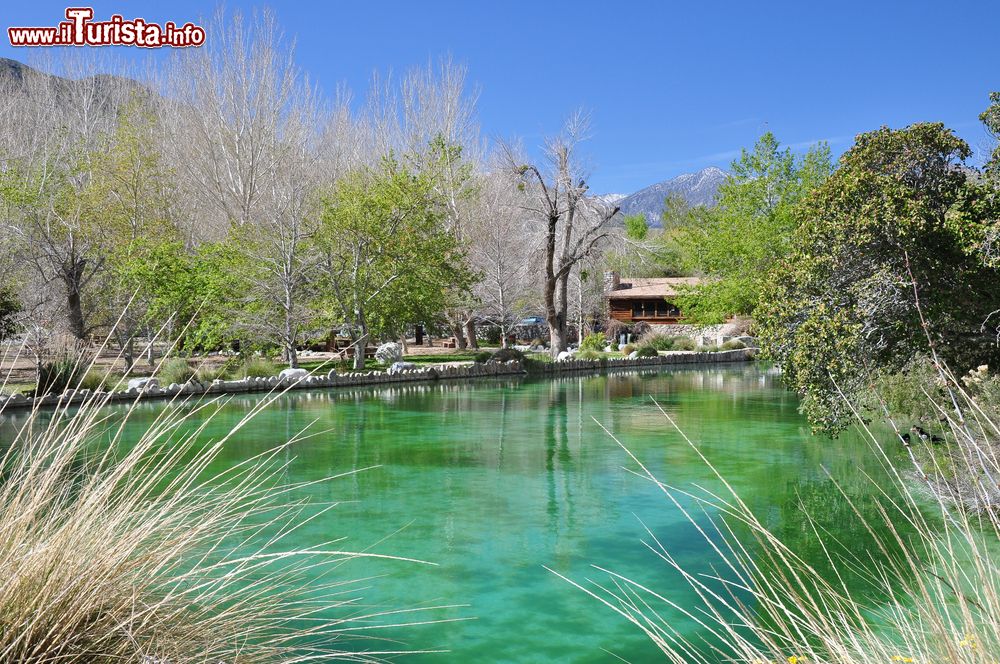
[(10, 306), (881, 270), (991, 120), (388, 258), (636, 227), (737, 243)]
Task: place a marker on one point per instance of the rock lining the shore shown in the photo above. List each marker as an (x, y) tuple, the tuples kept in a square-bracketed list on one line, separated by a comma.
[(152, 390)]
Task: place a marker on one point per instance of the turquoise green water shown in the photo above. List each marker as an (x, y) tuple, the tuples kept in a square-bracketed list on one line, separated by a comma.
[(494, 480)]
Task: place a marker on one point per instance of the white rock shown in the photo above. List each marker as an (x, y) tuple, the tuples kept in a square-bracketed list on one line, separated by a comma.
[(563, 356), (292, 374), (142, 383)]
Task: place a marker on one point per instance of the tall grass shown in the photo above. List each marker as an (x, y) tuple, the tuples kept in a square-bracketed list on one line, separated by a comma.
[(930, 583), (131, 551)]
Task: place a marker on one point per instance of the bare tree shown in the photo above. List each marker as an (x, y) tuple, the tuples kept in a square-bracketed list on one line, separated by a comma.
[(497, 230), (574, 224), (246, 132)]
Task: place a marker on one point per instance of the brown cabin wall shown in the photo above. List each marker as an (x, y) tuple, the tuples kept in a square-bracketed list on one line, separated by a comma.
[(621, 309)]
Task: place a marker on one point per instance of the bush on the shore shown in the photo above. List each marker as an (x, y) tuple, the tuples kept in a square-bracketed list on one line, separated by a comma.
[(482, 357), (57, 376), (594, 341), (684, 343), (646, 351), (627, 349), (257, 367), (709, 348), (175, 370), (733, 344), (588, 354), (506, 355)]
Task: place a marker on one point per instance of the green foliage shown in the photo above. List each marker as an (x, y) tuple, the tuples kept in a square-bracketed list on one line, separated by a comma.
[(175, 370), (482, 357), (887, 232), (594, 341), (991, 120), (389, 258), (627, 349), (10, 307), (646, 351), (709, 348), (738, 242), (588, 354), (613, 346), (636, 227), (733, 344), (492, 334)]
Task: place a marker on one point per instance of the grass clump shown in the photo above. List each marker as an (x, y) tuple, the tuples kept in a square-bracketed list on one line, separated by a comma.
[(733, 344), (175, 370), (257, 367), (588, 354), (627, 349), (684, 343), (506, 355), (646, 351), (137, 554)]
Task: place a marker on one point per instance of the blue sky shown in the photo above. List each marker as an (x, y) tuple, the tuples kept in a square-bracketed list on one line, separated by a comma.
[(672, 87)]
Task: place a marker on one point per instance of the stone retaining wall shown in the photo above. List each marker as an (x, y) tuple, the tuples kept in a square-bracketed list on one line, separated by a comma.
[(333, 379)]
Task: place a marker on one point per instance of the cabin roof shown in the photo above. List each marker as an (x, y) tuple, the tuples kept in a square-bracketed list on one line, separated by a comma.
[(635, 288)]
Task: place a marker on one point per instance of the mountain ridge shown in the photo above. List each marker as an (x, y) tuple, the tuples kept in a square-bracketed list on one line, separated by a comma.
[(698, 188)]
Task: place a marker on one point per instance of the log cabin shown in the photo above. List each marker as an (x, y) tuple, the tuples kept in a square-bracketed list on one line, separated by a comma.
[(635, 299)]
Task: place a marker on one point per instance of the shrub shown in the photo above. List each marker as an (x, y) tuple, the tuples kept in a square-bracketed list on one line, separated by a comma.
[(175, 370), (482, 357), (57, 376), (99, 380), (658, 341), (389, 353), (684, 343), (588, 354), (257, 367), (733, 344), (491, 334), (613, 346), (710, 348), (627, 349), (506, 355), (594, 341), (646, 351)]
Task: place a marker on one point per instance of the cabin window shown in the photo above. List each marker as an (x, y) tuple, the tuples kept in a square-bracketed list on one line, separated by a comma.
[(658, 308)]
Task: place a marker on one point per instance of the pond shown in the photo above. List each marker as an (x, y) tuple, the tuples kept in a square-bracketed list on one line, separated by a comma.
[(495, 480)]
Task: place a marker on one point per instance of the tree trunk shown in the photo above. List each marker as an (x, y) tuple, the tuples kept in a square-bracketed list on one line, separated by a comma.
[(459, 334), (470, 333), (74, 305)]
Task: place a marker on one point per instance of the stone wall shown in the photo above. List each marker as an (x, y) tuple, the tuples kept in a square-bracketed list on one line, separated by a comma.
[(333, 379)]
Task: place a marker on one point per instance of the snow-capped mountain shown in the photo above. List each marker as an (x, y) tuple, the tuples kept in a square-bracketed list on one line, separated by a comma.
[(696, 188)]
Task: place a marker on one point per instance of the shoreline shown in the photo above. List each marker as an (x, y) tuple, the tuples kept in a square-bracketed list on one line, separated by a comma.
[(355, 379)]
